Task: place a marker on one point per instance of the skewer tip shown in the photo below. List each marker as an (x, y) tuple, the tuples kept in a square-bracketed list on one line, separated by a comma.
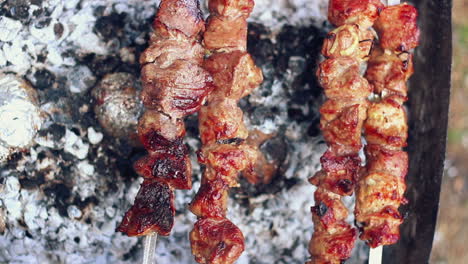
[(149, 247), (375, 255)]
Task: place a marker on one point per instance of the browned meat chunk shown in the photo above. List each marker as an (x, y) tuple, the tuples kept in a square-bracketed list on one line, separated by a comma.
[(173, 168), (348, 40), (164, 52), (179, 89), (211, 199), (380, 159), (158, 132), (216, 241), (388, 72), (235, 74), (221, 121), (340, 78), (341, 124), (397, 27), (378, 197), (361, 12), (228, 160), (226, 34), (339, 173), (184, 16), (231, 8), (333, 238), (387, 123)]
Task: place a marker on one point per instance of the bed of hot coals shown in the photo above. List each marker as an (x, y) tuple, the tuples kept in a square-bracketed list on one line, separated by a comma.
[(69, 78)]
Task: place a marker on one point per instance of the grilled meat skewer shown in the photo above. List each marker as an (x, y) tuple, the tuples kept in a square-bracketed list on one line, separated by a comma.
[(215, 239), (382, 185), (174, 85), (342, 119)]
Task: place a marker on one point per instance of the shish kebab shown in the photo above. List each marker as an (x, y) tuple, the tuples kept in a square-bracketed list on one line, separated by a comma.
[(343, 118), (225, 153), (174, 86), (381, 185)]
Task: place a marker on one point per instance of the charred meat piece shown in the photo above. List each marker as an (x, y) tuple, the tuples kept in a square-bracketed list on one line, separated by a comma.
[(159, 132), (339, 173), (174, 169), (153, 210)]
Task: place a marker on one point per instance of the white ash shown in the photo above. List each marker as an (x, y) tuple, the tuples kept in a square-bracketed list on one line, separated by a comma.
[(294, 12), (19, 114), (9, 28), (61, 201), (75, 145), (94, 137)]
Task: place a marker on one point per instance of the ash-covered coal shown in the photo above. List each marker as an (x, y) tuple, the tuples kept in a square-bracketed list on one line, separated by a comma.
[(62, 198)]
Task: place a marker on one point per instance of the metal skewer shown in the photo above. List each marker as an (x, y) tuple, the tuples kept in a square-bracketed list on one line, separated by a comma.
[(149, 247), (375, 254)]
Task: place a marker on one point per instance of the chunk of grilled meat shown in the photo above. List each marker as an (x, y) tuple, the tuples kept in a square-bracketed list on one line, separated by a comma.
[(340, 79), (379, 195), (216, 241), (228, 160), (220, 121), (152, 211), (178, 90), (226, 33), (174, 85), (235, 75), (333, 238), (211, 199), (386, 123), (338, 174), (176, 16), (341, 124), (348, 40), (360, 12), (231, 8), (397, 28), (388, 72)]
